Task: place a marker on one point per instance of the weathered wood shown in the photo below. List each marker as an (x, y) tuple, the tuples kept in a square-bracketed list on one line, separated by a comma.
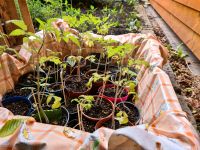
[(183, 23), (26, 15)]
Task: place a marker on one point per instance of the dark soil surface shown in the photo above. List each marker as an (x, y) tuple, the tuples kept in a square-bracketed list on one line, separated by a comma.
[(18, 108), (73, 124), (72, 107), (73, 84), (121, 17), (133, 116), (110, 92), (108, 124), (100, 110), (189, 86), (89, 125)]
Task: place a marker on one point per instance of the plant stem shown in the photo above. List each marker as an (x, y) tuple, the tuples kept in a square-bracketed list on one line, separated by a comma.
[(38, 80), (63, 89), (116, 94), (80, 118), (36, 105)]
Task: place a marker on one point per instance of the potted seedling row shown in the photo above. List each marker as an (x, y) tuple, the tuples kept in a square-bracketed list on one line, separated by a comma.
[(59, 91)]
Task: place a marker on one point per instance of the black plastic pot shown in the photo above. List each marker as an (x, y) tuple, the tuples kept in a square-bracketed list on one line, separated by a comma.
[(14, 100), (123, 105), (73, 123)]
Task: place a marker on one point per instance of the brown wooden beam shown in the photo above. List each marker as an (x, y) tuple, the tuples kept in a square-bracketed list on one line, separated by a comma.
[(26, 15)]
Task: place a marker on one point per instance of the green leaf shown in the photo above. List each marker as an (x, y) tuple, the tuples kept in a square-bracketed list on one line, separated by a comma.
[(52, 115), (74, 40), (89, 83), (122, 117), (10, 127), (19, 23), (17, 32), (71, 60), (42, 24)]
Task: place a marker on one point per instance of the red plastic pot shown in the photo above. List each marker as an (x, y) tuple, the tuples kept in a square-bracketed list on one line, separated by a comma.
[(100, 123), (120, 99), (97, 119)]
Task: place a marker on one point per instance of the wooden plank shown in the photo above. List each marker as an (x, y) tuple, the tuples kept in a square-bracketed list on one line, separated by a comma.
[(26, 15), (9, 12), (194, 4), (188, 36), (183, 13)]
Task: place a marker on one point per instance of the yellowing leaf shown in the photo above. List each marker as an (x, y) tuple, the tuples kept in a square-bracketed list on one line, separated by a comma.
[(49, 98), (122, 117), (56, 105)]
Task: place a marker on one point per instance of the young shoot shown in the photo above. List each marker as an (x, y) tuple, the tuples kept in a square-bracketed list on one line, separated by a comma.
[(85, 101)]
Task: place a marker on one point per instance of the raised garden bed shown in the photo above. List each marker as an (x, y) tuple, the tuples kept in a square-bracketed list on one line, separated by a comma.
[(67, 98)]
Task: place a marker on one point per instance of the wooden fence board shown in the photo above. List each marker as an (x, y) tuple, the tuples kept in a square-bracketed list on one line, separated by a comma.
[(189, 17), (187, 35), (194, 4)]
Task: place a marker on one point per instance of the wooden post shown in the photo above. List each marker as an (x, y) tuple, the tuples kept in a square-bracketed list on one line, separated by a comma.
[(8, 11), (26, 15)]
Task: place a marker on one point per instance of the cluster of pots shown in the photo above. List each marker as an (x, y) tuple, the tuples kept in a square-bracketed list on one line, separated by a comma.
[(69, 115)]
